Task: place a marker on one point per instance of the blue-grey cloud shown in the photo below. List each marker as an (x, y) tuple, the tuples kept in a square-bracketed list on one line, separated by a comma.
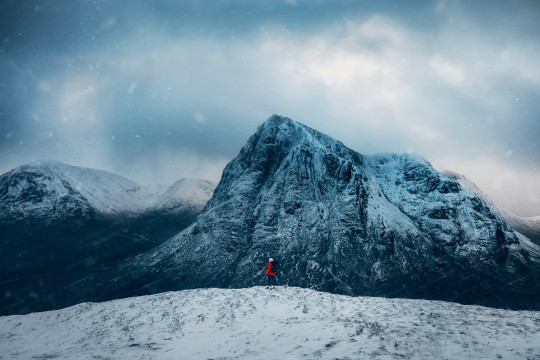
[(176, 87)]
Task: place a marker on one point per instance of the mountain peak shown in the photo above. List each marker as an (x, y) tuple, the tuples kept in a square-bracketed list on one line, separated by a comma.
[(38, 167), (277, 127), (342, 222), (281, 127), (185, 193), (278, 119)]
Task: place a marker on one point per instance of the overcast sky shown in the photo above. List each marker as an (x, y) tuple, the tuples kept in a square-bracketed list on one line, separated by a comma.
[(160, 90)]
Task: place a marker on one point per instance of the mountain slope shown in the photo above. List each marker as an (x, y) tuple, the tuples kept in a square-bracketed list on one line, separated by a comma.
[(530, 227), (258, 323), (174, 210), (341, 222), (59, 191), (48, 209), (60, 223)]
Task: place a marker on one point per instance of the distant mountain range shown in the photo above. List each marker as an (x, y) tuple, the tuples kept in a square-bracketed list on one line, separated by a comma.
[(336, 220), (59, 223)]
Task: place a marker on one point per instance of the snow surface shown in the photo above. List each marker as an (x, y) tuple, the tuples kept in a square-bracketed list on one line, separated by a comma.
[(183, 194), (278, 323)]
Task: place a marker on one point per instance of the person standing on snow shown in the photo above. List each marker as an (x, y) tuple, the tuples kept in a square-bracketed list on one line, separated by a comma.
[(271, 272)]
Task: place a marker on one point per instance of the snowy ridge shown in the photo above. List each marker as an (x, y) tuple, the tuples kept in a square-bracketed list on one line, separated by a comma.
[(107, 192), (184, 194), (280, 323), (33, 190), (528, 226), (174, 209), (442, 206), (57, 189)]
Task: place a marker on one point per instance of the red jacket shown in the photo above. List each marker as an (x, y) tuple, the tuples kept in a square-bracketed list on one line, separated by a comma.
[(270, 270)]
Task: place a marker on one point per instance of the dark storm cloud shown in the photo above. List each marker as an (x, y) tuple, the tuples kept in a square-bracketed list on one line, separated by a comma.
[(175, 88)]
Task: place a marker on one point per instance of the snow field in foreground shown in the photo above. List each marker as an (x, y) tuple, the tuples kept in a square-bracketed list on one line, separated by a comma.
[(279, 323)]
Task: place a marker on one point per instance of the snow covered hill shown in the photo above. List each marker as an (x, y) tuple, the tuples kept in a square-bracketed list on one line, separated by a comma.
[(528, 226), (174, 209), (341, 222), (59, 223), (184, 194), (53, 215), (280, 323), (55, 190)]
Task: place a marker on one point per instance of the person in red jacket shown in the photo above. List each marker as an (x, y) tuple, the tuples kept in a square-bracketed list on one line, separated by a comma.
[(271, 272)]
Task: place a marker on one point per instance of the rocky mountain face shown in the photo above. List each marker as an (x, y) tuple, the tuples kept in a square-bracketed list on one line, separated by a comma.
[(528, 226), (59, 223), (341, 222)]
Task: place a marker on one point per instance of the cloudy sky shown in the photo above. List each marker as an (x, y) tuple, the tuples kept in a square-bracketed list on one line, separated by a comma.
[(159, 90)]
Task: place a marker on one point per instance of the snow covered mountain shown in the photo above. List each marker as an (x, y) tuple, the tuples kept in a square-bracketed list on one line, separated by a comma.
[(55, 190), (341, 222), (258, 323), (48, 211), (174, 209), (185, 194), (528, 226), (58, 223)]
